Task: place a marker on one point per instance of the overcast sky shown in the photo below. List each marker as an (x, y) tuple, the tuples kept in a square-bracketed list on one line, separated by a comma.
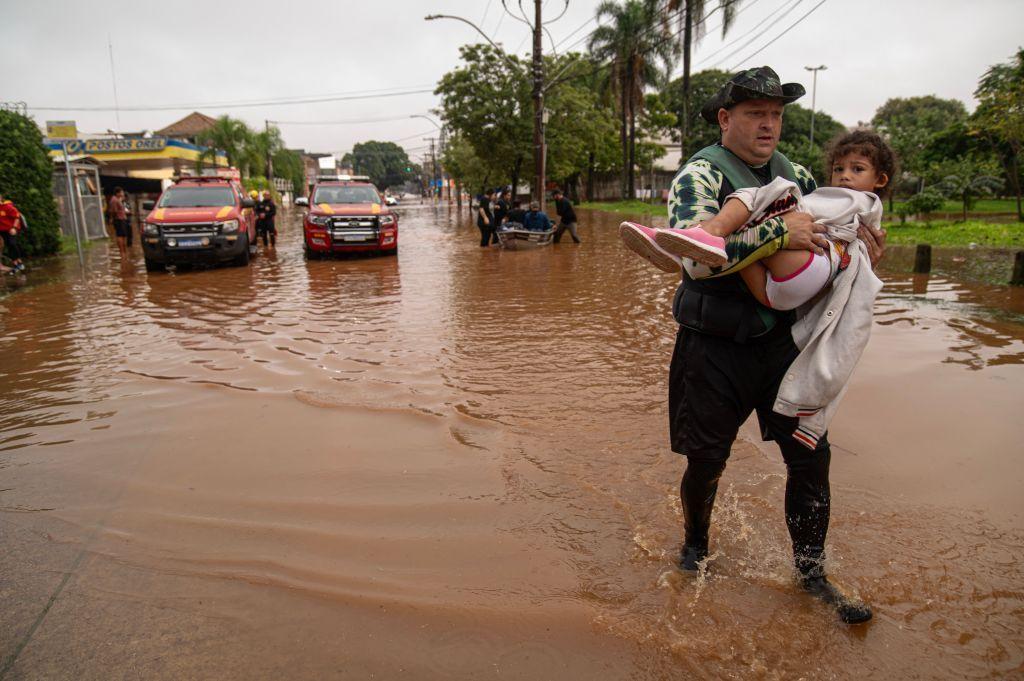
[(194, 55)]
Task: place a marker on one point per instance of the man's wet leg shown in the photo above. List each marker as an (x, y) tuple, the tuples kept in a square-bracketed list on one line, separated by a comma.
[(808, 507), (697, 491)]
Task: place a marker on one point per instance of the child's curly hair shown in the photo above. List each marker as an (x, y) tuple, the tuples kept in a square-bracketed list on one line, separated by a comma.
[(869, 144)]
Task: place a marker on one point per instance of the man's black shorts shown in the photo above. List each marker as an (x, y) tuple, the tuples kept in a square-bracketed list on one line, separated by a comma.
[(714, 384), (122, 227)]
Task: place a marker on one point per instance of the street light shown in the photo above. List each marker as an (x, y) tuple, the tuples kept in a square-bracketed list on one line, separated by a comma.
[(814, 94), (427, 118), (431, 17)]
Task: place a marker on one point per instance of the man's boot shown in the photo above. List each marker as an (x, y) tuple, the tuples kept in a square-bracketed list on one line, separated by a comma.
[(697, 492), (813, 580)]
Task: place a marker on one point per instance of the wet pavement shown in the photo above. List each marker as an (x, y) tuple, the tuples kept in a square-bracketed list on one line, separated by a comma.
[(452, 464)]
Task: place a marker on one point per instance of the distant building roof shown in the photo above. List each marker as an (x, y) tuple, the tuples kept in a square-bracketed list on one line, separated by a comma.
[(189, 126)]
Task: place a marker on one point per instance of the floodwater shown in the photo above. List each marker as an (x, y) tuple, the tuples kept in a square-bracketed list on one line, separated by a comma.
[(452, 464)]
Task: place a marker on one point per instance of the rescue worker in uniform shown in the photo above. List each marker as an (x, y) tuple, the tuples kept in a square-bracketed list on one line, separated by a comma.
[(731, 353), (266, 209)]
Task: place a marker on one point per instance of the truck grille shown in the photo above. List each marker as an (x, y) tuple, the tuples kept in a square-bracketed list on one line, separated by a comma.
[(355, 230), (189, 229)]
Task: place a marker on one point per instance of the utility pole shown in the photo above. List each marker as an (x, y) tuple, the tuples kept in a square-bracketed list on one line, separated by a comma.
[(538, 105), (270, 161), (433, 163), (814, 94)]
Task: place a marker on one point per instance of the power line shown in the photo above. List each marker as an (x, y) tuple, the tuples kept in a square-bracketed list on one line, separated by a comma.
[(739, 38), (793, 25), (238, 105), (351, 121), (766, 28)]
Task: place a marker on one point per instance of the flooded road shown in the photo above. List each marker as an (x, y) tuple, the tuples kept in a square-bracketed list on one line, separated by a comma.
[(453, 463)]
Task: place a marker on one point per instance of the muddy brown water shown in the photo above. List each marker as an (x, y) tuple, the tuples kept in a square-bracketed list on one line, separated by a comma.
[(453, 464)]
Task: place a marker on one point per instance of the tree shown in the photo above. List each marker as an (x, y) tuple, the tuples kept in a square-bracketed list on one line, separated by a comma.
[(580, 133), (910, 123), (795, 139), (1000, 115), (699, 133), (259, 148), (26, 179), (229, 135), (966, 179), (636, 45), (692, 19), (288, 164), (384, 162), (462, 163), (486, 102)]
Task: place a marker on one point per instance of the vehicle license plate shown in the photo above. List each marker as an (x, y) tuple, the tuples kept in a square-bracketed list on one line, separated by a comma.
[(190, 243), (353, 238)]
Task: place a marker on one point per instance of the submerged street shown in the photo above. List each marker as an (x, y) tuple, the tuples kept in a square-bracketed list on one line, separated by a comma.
[(454, 463)]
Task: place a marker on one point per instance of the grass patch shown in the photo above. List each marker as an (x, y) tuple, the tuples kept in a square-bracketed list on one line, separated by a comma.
[(633, 207), (980, 206), (948, 233), (68, 247)]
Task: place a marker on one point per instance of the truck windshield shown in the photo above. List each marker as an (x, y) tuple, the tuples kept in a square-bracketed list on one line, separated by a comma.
[(331, 194), (197, 197)]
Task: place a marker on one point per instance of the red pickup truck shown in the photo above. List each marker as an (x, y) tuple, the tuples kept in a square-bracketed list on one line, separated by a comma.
[(200, 220), (347, 215)]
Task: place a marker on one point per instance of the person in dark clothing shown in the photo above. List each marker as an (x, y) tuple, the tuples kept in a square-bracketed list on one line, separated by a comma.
[(485, 218), (731, 354), (535, 219), (565, 211), (266, 209), (516, 215), (501, 208)]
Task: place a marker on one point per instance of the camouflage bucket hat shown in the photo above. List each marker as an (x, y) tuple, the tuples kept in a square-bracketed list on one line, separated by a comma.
[(757, 83)]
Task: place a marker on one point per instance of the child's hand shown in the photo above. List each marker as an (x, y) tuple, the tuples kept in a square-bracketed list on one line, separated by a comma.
[(14, 231)]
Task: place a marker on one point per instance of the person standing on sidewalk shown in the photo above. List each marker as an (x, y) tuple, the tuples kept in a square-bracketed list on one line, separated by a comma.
[(119, 216), (565, 211), (731, 353), (485, 218)]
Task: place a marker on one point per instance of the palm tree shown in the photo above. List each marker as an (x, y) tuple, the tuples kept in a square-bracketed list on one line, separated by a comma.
[(230, 135), (639, 50), (691, 20)]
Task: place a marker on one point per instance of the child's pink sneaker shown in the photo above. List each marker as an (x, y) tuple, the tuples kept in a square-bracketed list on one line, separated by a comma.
[(693, 243), (640, 240)]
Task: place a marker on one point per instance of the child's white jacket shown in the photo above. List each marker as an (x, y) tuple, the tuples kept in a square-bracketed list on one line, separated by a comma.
[(832, 330)]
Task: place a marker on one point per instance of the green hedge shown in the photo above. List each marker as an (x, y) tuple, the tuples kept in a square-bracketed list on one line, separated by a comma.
[(26, 178)]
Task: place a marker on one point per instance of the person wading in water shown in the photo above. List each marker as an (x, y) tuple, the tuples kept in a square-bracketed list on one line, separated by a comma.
[(731, 353)]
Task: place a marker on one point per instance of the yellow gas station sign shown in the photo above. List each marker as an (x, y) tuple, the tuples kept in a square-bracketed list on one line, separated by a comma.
[(61, 130)]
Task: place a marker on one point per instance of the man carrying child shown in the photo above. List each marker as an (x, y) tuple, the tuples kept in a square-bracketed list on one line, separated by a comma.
[(731, 353)]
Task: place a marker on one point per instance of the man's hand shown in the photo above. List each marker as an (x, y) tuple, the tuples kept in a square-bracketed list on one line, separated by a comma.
[(804, 233), (874, 239)]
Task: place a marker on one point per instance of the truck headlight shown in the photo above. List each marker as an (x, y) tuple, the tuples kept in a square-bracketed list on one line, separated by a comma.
[(319, 220), (387, 220), (151, 229), (229, 226)]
